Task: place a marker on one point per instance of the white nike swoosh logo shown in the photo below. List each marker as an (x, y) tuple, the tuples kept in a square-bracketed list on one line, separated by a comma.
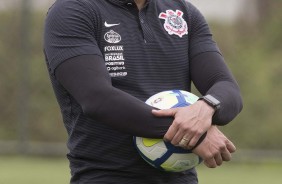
[(111, 25)]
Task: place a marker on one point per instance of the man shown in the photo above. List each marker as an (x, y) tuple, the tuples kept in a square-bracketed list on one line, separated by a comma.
[(106, 57)]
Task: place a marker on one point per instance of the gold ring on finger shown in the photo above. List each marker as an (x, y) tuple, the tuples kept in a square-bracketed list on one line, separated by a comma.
[(183, 142)]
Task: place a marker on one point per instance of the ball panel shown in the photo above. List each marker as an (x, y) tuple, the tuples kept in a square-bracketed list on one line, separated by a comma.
[(153, 151), (180, 162), (163, 100), (150, 142), (189, 97)]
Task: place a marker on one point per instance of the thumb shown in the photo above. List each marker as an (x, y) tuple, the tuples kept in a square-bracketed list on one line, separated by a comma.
[(164, 112)]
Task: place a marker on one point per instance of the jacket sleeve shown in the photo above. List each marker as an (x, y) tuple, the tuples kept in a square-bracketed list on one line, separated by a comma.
[(209, 72), (87, 80)]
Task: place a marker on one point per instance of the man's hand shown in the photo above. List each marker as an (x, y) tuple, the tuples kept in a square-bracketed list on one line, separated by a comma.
[(189, 124), (215, 148)]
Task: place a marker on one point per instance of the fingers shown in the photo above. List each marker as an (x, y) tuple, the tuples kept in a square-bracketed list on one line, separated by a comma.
[(195, 139), (179, 130), (186, 124), (230, 146), (176, 133), (226, 156), (217, 158), (215, 150), (210, 163), (164, 112), (179, 137)]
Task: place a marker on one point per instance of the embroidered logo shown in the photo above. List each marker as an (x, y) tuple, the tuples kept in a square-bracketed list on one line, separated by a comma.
[(110, 25), (112, 37), (174, 23)]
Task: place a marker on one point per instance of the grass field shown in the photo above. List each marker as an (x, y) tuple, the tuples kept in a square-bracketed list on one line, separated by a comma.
[(34, 170), (242, 173)]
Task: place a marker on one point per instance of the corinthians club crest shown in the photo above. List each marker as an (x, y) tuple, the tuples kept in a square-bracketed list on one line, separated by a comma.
[(174, 23)]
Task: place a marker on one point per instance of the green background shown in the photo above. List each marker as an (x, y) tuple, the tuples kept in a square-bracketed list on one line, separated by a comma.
[(31, 124), (35, 170)]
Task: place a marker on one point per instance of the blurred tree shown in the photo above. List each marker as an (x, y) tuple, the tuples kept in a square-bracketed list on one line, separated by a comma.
[(253, 50), (24, 76)]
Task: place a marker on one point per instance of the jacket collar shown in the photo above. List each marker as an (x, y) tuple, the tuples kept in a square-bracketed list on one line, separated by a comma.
[(125, 2)]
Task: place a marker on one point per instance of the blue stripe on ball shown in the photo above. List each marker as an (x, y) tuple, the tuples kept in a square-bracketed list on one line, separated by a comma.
[(171, 149), (180, 98)]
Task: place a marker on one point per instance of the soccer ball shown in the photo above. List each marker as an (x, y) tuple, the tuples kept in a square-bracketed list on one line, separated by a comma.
[(158, 153)]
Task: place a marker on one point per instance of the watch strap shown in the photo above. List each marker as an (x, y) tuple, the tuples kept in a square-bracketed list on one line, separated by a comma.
[(212, 101)]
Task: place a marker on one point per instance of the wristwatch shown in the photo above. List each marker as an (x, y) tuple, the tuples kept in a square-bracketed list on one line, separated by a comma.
[(212, 101)]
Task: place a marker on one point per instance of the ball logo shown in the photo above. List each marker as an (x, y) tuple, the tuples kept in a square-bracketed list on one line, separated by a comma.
[(157, 100), (112, 37), (174, 23)]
